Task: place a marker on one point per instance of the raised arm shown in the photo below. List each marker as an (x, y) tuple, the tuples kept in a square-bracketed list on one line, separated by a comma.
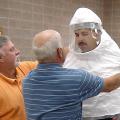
[(111, 83)]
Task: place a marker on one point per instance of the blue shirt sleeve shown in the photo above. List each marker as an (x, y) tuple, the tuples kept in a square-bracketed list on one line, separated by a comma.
[(91, 85)]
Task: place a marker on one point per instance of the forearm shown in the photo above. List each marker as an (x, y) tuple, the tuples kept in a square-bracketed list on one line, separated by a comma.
[(111, 83)]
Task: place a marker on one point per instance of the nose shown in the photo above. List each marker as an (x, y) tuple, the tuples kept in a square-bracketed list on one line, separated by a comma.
[(17, 52), (79, 38)]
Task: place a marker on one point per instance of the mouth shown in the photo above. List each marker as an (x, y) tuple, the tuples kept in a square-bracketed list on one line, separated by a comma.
[(82, 46)]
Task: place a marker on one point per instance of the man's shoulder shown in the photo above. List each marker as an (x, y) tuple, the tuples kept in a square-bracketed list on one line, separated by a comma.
[(26, 66), (77, 71)]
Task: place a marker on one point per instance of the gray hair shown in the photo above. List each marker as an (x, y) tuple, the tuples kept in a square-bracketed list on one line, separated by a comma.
[(3, 40), (49, 48)]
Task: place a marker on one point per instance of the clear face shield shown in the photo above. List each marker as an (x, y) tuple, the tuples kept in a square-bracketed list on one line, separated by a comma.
[(93, 27)]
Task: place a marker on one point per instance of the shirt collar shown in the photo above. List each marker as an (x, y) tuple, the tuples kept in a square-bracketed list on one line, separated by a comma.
[(49, 65)]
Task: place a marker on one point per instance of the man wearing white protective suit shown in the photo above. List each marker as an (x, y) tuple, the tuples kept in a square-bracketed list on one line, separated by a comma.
[(94, 50)]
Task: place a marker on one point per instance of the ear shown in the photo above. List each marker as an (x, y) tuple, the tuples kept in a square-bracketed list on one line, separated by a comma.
[(97, 34), (60, 55), (65, 51)]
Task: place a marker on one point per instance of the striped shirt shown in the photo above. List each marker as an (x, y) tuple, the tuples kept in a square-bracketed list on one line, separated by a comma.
[(55, 93)]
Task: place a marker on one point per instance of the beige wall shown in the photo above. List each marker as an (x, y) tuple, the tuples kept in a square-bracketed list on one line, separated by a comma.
[(22, 19), (112, 18)]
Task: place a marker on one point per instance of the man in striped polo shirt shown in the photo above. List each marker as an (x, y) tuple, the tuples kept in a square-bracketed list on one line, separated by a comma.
[(55, 93)]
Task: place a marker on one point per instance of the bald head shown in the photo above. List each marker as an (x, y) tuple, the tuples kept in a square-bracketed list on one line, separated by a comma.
[(45, 36), (46, 43)]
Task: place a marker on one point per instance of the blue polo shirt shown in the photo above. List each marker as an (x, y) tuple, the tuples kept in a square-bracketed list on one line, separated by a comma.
[(55, 93)]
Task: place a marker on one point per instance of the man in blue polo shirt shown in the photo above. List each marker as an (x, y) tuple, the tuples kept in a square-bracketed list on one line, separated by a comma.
[(55, 93)]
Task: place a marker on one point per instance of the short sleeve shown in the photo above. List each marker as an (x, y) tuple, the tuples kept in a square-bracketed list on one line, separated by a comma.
[(91, 85)]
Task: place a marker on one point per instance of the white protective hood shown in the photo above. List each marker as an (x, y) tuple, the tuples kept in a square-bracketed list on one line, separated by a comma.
[(104, 61)]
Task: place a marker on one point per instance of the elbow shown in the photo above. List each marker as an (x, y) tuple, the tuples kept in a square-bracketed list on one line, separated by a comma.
[(109, 89)]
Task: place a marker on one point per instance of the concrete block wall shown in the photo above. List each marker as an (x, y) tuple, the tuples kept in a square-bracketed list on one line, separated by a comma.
[(111, 18), (22, 19)]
